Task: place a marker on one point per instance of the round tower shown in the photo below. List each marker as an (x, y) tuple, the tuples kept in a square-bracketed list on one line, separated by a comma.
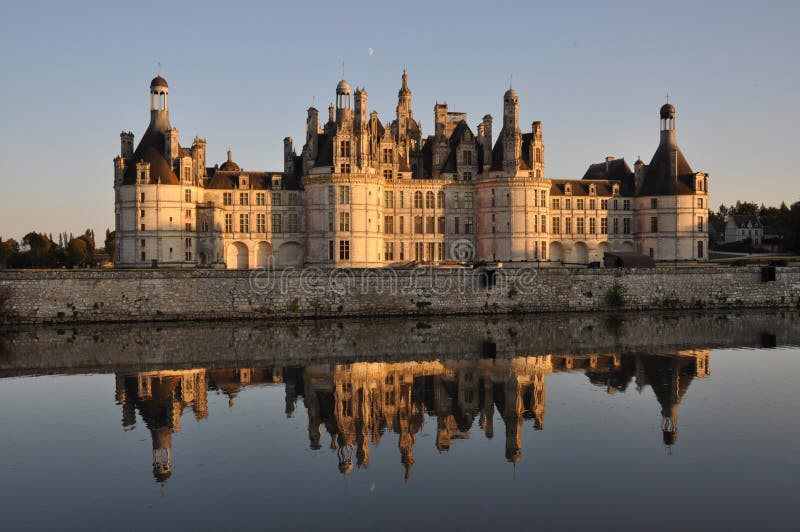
[(159, 103)]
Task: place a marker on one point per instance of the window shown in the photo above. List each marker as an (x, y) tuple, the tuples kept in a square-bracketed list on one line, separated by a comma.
[(626, 226), (419, 251), (556, 203), (626, 205), (544, 250), (542, 198), (331, 195), (568, 225), (440, 224), (388, 251), (143, 242), (344, 221), (580, 204), (330, 250), (699, 202), (418, 225), (261, 223), (699, 223), (467, 176), (592, 204), (567, 189), (592, 190), (603, 226), (291, 224), (187, 195), (429, 249), (228, 222), (468, 225), (388, 199), (568, 203), (330, 221), (344, 168), (227, 198), (579, 222), (276, 182), (429, 225), (455, 200), (535, 224), (604, 204), (344, 250), (261, 198), (429, 200), (387, 156), (143, 254), (188, 226), (544, 224), (387, 174), (616, 205), (344, 148), (467, 200), (555, 227), (616, 226), (440, 251), (534, 198), (650, 252), (456, 223), (654, 224), (292, 198), (141, 197), (188, 255), (699, 249), (276, 199), (440, 199), (188, 213), (277, 223), (468, 158), (244, 223), (401, 248), (417, 199), (402, 225), (654, 203), (188, 242), (344, 195), (388, 225), (402, 199), (592, 226)]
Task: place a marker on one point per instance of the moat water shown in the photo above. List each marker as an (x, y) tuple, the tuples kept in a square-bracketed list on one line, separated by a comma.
[(647, 421)]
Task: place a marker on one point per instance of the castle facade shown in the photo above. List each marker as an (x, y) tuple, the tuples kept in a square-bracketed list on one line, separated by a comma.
[(362, 193)]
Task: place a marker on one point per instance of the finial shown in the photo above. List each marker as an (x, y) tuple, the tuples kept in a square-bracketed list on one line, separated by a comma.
[(342, 69), (159, 68), (511, 81), (229, 155), (668, 97)]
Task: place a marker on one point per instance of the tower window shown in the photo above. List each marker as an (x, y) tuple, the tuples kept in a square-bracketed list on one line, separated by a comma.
[(654, 203)]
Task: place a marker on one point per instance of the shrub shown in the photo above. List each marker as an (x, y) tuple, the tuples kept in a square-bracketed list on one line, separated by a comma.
[(615, 297)]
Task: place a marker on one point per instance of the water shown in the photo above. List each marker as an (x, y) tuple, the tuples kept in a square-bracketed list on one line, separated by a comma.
[(658, 421)]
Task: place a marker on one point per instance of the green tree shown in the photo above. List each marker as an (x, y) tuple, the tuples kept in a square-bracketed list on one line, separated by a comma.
[(7, 249), (110, 243), (40, 247), (78, 252)]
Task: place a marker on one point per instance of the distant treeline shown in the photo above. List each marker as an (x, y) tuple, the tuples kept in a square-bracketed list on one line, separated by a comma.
[(782, 223), (40, 250)]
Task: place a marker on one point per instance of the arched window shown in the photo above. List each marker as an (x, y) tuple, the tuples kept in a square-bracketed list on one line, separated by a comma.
[(440, 199), (417, 199), (429, 200)]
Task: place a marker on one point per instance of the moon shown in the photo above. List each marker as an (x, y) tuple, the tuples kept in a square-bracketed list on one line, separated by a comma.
[(370, 51)]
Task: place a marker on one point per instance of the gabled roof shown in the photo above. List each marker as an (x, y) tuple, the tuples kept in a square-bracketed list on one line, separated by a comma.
[(742, 220), (151, 150), (580, 187)]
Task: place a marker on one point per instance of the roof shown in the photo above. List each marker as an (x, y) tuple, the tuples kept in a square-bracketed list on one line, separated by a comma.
[(151, 150), (746, 220), (627, 259), (657, 179), (223, 180), (580, 187), (158, 81)]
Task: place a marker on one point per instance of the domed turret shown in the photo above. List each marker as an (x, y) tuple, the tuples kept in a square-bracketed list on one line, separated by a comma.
[(343, 95), (667, 111), (343, 87), (229, 165), (158, 81), (510, 96)]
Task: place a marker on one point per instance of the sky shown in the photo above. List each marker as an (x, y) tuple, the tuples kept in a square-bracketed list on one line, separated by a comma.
[(242, 74)]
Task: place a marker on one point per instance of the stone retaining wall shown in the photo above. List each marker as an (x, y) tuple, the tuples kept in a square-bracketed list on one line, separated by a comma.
[(156, 295)]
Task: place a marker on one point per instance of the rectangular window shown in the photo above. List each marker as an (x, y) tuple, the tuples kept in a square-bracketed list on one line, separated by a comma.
[(700, 224), (592, 226), (626, 205), (388, 225), (544, 224), (626, 226), (699, 202), (440, 224), (244, 198), (418, 225), (604, 204), (699, 249), (556, 203), (440, 200), (292, 198), (276, 182), (261, 198), (344, 148), (579, 223), (467, 200), (603, 226), (580, 204), (261, 223), (654, 224), (430, 247), (291, 223), (344, 221), (568, 203), (401, 248), (654, 203), (542, 198), (188, 226), (402, 199), (227, 198), (467, 176), (143, 254), (344, 250), (388, 251), (429, 225), (330, 250), (468, 225), (228, 222), (440, 251), (331, 195), (535, 224), (616, 226), (592, 204), (344, 195), (276, 199), (188, 213), (277, 223), (344, 168), (402, 225), (141, 197), (544, 250), (387, 156), (187, 195), (616, 205), (143, 242), (388, 199), (456, 224), (556, 225), (419, 251), (188, 242), (568, 225), (387, 174), (468, 158), (244, 223), (141, 213), (455, 200)]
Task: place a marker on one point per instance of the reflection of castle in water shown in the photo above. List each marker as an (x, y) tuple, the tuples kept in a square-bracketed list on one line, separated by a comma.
[(357, 403)]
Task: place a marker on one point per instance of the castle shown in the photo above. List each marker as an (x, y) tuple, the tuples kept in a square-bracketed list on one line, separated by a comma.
[(362, 193)]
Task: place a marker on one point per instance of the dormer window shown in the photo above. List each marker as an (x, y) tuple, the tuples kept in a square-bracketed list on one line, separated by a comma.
[(276, 182), (567, 189), (243, 181), (615, 189), (592, 190)]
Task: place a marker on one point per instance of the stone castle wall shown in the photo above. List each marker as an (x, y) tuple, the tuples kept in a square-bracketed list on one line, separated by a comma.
[(156, 295)]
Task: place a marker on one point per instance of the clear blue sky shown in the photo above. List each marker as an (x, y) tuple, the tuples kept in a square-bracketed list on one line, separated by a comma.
[(242, 74)]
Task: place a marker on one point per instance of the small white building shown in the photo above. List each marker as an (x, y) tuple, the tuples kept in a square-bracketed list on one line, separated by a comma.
[(741, 227)]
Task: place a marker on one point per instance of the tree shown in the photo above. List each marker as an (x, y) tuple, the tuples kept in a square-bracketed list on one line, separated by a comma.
[(110, 243), (78, 252), (7, 249), (39, 246)]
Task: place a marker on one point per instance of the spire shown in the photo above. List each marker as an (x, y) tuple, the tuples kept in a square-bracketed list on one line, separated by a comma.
[(230, 153)]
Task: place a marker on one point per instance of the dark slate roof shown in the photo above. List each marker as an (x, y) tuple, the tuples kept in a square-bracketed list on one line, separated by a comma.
[(427, 158), (525, 162), (741, 220), (580, 187), (497, 153), (229, 166), (222, 180), (657, 180), (616, 170), (461, 133), (158, 81), (151, 150), (324, 150)]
